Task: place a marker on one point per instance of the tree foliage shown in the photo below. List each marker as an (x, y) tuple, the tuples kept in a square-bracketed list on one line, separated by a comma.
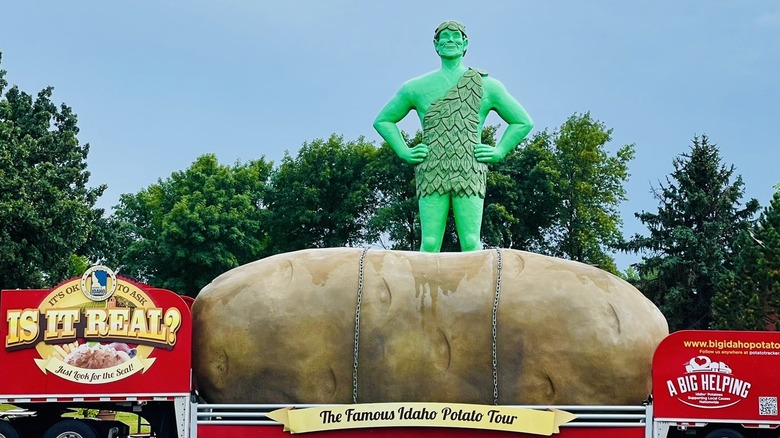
[(690, 247), (46, 208), (749, 296), (522, 199), (396, 221), (322, 198), (184, 231), (570, 189), (557, 193)]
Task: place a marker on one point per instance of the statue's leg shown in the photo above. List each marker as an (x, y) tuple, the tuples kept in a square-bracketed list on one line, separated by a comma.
[(433, 219), (467, 211)]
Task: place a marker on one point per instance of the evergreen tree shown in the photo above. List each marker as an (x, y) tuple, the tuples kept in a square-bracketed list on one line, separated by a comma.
[(690, 248), (749, 296)]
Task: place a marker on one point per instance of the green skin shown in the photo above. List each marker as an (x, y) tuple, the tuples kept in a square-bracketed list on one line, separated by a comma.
[(418, 94)]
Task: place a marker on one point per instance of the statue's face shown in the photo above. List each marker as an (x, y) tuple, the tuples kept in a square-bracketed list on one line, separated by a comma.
[(451, 44)]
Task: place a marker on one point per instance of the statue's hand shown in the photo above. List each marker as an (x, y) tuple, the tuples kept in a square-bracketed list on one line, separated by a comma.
[(417, 154), (487, 154)]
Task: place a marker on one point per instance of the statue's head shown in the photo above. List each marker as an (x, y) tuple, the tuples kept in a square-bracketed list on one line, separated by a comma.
[(449, 36)]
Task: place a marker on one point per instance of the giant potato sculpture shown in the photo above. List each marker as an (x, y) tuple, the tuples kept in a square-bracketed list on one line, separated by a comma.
[(283, 329)]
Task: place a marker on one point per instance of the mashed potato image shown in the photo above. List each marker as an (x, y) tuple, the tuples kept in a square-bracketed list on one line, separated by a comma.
[(96, 357)]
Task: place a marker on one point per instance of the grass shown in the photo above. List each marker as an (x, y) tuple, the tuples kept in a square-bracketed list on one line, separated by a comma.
[(132, 421)]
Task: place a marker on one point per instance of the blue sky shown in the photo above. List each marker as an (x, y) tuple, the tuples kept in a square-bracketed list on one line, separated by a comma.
[(156, 84)]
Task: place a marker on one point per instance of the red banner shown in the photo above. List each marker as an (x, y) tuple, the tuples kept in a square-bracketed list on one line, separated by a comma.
[(725, 375), (99, 334)]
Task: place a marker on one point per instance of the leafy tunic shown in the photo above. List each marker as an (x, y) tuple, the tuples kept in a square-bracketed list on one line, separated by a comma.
[(450, 131)]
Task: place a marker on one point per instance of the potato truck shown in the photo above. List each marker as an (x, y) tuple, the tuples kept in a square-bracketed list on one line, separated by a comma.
[(106, 343)]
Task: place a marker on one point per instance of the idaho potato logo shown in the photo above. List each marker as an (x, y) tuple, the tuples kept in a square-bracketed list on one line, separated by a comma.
[(98, 283), (95, 330)]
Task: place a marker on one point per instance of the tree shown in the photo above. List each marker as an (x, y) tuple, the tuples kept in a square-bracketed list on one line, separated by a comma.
[(397, 217), (46, 208), (691, 243), (749, 296), (587, 189), (107, 241), (322, 198), (522, 199), (184, 231), (557, 194)]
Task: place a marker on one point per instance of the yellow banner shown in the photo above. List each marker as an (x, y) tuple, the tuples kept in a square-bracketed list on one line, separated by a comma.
[(421, 415), (93, 376)]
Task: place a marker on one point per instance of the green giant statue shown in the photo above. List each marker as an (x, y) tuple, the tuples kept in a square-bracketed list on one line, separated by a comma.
[(451, 163)]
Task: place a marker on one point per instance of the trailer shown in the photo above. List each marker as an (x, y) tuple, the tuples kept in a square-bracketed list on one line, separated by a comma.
[(96, 342), (108, 343), (716, 384)]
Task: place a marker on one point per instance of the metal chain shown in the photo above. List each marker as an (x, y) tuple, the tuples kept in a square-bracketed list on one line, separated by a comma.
[(495, 314), (357, 327)]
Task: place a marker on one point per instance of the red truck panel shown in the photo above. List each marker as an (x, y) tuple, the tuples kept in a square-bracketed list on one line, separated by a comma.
[(717, 375), (154, 324)]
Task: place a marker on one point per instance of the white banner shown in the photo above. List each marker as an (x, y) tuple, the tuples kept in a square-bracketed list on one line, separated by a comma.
[(93, 376)]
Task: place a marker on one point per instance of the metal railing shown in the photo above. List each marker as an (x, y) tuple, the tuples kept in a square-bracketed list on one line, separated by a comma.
[(587, 416)]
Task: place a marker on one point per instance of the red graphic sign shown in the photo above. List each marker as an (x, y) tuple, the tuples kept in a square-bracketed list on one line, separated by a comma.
[(98, 334), (726, 374)]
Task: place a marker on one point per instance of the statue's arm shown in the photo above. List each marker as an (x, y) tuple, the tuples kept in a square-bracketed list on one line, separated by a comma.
[(519, 123), (385, 124)]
